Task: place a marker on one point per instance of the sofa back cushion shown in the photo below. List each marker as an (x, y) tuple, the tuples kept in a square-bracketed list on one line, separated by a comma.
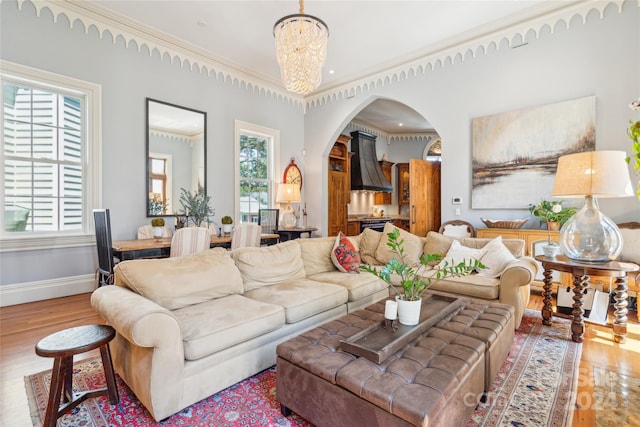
[(436, 243), (515, 246), (630, 245), (316, 254), (181, 281), (369, 240), (269, 265), (413, 246)]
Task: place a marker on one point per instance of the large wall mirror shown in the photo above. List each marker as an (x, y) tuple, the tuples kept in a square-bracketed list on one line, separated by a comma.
[(176, 155)]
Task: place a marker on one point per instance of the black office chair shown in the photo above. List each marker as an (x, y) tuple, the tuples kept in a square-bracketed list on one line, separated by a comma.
[(268, 220), (102, 223)]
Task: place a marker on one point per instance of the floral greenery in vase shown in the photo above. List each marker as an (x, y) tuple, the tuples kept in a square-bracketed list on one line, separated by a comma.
[(547, 212), (412, 281), (634, 134), (196, 206)]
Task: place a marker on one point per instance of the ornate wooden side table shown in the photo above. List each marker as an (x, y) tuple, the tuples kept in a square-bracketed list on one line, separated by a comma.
[(63, 345), (581, 272)]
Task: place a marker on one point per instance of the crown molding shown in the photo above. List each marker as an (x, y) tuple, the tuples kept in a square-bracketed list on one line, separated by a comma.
[(514, 30), (476, 42), (389, 137), (112, 25)]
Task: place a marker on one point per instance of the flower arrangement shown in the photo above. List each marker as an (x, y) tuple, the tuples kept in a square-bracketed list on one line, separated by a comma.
[(413, 283), (634, 134), (548, 212), (226, 220)]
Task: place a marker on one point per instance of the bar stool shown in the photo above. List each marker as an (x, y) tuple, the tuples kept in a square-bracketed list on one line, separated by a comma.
[(63, 345)]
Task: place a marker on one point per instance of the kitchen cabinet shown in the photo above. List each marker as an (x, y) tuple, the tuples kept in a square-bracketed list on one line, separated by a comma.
[(401, 223), (339, 188), (353, 228), (381, 198), (419, 187)]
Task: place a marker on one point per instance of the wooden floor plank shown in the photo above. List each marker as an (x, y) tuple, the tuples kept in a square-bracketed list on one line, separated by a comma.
[(22, 326)]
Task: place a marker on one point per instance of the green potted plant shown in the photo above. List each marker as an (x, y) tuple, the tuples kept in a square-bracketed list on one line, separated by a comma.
[(158, 227), (196, 206), (226, 221), (411, 279), (554, 215)]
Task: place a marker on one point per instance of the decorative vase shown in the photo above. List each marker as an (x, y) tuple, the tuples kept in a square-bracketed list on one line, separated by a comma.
[(158, 232), (227, 228), (409, 311), (553, 225), (550, 251)]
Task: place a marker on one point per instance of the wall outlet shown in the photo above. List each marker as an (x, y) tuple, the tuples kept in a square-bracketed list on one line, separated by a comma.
[(456, 201)]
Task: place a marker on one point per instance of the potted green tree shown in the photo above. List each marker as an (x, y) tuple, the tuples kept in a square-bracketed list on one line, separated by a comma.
[(227, 222), (158, 227), (554, 216), (412, 281), (196, 206)]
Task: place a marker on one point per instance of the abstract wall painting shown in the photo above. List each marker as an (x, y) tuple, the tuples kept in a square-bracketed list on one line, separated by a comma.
[(515, 154)]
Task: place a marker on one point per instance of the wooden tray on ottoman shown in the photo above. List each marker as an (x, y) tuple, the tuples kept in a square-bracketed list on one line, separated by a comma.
[(377, 342)]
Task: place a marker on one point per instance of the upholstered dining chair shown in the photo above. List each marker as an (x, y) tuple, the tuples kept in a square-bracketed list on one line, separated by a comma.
[(246, 234), (189, 240), (106, 261), (457, 228), (146, 232)]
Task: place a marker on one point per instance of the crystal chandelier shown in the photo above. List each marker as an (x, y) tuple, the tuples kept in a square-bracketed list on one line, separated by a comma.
[(301, 47)]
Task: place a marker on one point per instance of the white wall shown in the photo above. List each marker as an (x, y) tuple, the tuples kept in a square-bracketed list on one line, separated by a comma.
[(128, 77), (599, 57)]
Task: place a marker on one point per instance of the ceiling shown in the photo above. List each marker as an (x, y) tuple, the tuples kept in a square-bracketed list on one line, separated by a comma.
[(366, 37)]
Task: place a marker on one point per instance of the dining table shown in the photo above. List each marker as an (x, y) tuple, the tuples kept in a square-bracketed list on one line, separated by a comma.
[(161, 247)]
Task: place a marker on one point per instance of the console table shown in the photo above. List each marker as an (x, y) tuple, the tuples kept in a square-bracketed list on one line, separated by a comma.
[(581, 272), (294, 233)]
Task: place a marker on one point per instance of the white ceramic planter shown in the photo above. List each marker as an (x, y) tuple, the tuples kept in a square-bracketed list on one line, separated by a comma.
[(550, 251), (409, 311), (227, 228), (158, 232)]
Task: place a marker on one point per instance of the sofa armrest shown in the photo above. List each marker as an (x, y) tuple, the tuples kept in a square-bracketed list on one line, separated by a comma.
[(514, 284), (141, 321), (520, 272)]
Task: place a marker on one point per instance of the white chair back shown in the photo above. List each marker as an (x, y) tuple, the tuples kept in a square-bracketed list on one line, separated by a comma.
[(146, 232), (189, 240), (247, 234)]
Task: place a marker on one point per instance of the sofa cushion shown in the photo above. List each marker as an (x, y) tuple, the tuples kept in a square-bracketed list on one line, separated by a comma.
[(268, 265), (436, 243), (345, 255), (472, 285), (630, 245), (224, 322), (358, 285), (458, 253), (369, 240), (413, 246), (316, 254), (178, 282), (516, 246), (301, 298), (496, 258)]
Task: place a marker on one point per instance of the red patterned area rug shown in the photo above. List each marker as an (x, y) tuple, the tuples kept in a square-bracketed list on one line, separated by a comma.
[(535, 387)]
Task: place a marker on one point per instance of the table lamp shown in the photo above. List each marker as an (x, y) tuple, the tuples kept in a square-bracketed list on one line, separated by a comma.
[(288, 193), (589, 235)]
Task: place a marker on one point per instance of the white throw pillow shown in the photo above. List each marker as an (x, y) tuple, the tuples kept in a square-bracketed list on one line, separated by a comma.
[(458, 253), (496, 258)]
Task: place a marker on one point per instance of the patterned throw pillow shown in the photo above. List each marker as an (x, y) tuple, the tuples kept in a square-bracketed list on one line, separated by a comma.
[(345, 256)]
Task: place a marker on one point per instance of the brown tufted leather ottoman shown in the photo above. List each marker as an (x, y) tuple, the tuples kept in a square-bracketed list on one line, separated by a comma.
[(436, 380)]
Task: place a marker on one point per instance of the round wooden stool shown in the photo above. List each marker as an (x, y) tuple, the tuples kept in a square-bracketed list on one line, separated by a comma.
[(63, 345)]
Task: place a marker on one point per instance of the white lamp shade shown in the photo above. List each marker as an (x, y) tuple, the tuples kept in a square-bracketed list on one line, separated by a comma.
[(594, 173), (288, 193)]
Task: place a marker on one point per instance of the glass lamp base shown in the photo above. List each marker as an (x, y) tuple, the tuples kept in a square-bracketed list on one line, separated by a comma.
[(288, 219), (590, 236)]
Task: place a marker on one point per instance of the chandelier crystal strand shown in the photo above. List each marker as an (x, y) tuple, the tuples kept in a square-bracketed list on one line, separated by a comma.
[(301, 48)]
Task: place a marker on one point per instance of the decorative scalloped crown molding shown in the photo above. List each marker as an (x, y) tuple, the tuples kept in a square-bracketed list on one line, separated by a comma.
[(196, 58), (389, 137)]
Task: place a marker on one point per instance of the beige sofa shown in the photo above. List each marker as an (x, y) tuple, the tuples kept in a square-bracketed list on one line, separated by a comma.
[(189, 327)]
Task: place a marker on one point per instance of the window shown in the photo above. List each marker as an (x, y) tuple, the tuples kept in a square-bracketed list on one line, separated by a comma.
[(159, 182), (256, 151), (50, 128)]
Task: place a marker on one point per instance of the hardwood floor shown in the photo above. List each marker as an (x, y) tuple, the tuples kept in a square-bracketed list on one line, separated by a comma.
[(22, 326)]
